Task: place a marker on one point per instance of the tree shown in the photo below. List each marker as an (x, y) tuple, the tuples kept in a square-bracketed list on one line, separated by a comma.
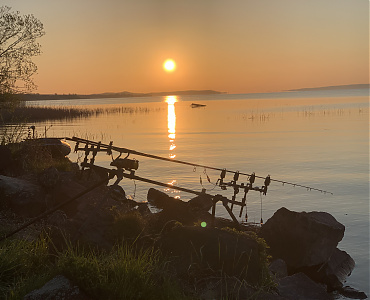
[(18, 46)]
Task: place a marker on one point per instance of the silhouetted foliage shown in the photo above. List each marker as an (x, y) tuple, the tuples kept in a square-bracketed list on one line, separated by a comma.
[(18, 35)]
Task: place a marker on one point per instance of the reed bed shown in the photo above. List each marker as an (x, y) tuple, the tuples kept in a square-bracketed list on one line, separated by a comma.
[(44, 113)]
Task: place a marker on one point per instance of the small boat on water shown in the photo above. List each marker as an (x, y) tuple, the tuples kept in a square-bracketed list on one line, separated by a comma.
[(194, 105)]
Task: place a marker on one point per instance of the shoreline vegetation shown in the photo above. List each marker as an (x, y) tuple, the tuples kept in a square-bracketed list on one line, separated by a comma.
[(22, 113), (18, 112), (125, 94), (121, 254), (106, 245)]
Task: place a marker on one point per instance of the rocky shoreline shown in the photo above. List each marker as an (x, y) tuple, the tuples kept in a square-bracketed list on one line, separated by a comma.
[(302, 260)]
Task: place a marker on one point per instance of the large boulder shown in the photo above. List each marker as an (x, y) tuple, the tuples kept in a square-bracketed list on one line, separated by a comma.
[(49, 178), (23, 197), (333, 273), (176, 209), (299, 286), (302, 239), (198, 250), (278, 269), (163, 201), (201, 203)]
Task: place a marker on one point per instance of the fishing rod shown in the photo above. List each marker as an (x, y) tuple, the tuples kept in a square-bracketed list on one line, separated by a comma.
[(109, 147)]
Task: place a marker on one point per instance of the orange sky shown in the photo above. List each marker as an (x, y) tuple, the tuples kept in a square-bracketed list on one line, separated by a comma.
[(236, 46)]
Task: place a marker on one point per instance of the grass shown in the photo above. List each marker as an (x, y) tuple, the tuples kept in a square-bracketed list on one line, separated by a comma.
[(23, 265), (44, 113), (122, 273), (30, 158), (128, 226), (229, 284)]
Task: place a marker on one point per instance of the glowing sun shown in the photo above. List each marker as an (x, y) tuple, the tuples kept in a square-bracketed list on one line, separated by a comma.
[(169, 65)]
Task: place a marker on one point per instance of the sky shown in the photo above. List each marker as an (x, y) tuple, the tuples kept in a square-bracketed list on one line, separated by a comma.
[(234, 46)]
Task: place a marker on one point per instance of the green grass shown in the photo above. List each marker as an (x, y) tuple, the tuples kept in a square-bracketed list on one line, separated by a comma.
[(122, 273), (128, 226), (23, 265)]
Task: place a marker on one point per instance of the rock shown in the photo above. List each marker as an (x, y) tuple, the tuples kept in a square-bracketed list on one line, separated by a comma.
[(201, 202), (66, 189), (5, 157), (143, 209), (338, 268), (278, 268), (49, 178), (333, 273), (163, 201), (231, 288), (199, 250), (299, 286), (57, 288), (172, 209), (352, 293), (302, 239), (24, 198), (117, 192)]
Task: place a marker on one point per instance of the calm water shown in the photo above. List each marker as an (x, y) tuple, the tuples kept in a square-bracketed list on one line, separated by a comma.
[(318, 139)]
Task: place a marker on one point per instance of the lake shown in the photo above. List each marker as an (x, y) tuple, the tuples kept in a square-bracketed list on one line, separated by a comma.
[(318, 139)]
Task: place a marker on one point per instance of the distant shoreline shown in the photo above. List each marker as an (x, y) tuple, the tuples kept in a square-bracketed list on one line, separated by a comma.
[(125, 94), (33, 97), (334, 87)]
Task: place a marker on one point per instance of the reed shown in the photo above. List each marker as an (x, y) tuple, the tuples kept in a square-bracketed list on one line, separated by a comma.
[(45, 113)]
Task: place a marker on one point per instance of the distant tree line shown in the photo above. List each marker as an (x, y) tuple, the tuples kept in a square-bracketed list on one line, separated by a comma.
[(30, 97)]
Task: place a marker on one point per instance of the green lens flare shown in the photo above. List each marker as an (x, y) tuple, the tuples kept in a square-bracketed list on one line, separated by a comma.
[(203, 224)]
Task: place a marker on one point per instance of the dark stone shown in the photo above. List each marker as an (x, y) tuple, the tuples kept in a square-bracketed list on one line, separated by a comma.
[(338, 268), (66, 190), (299, 286), (143, 209), (5, 157), (174, 209), (49, 178), (57, 288), (333, 273), (24, 198), (302, 239), (201, 202), (231, 288), (197, 248), (117, 192), (352, 293), (278, 269), (163, 201)]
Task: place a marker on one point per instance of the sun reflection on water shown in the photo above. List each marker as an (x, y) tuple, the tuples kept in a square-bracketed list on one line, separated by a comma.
[(171, 124)]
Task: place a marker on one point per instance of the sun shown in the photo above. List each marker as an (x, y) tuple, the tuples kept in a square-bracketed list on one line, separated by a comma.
[(169, 65)]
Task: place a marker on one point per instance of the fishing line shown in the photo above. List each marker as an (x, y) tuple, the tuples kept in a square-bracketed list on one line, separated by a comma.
[(134, 189), (208, 179), (261, 209), (110, 147)]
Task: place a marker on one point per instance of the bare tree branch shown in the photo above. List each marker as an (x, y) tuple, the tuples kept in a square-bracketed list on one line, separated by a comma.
[(18, 35)]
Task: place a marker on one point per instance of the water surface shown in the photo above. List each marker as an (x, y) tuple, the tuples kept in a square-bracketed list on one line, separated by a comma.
[(317, 139)]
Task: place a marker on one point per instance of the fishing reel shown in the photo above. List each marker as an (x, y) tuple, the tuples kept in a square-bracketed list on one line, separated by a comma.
[(125, 163)]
